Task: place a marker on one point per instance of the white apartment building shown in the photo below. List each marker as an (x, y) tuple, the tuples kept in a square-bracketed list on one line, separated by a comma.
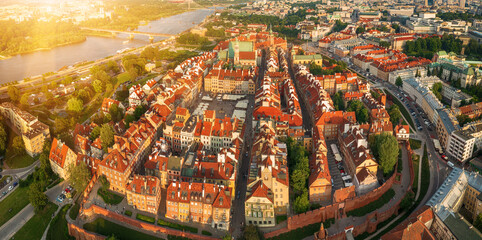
[(461, 142)]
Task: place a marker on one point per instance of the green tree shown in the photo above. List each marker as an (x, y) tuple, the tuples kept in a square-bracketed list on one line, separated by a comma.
[(106, 136), (298, 180), (338, 101), (61, 125), (104, 182), (75, 105), (98, 86), (315, 69), (387, 147), (37, 197), (437, 90), (3, 138), (24, 99), (478, 222), (251, 232), (95, 133), (112, 237), (384, 44), (395, 114), (399, 82), (18, 146), (128, 119), (13, 93), (79, 175), (67, 80), (361, 112), (360, 30), (115, 112), (302, 204)]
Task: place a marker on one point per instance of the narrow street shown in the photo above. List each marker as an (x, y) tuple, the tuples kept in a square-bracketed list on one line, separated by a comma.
[(238, 211)]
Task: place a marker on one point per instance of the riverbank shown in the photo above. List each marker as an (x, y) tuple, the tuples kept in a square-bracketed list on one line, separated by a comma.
[(93, 50), (7, 56)]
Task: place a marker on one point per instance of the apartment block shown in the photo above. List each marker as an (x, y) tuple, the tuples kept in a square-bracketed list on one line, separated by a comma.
[(33, 131)]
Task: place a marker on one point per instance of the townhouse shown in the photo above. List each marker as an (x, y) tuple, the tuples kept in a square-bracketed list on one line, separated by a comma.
[(205, 203), (358, 157), (144, 193), (61, 157), (239, 81)]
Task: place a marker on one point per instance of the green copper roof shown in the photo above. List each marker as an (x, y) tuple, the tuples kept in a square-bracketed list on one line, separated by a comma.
[(223, 55), (441, 53), (243, 47), (307, 57)]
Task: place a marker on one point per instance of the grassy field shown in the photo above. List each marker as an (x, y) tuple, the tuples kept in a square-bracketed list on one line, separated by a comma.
[(384, 199), (123, 77), (177, 226), (303, 232), (16, 160), (145, 218), (415, 144), (74, 211), (58, 227), (416, 162), (402, 108), (110, 197), (108, 228), (35, 227), (16, 201)]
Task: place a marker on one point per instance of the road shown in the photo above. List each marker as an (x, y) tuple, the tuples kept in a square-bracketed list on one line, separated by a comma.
[(19, 173), (9, 229), (438, 167)]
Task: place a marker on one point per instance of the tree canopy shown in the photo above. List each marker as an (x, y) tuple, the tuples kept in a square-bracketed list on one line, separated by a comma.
[(361, 112), (399, 82), (13, 93), (37, 197), (79, 175), (106, 136), (395, 114), (75, 105), (386, 151)]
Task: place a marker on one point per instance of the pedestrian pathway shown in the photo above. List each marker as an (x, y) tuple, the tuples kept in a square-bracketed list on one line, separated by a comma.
[(9, 229)]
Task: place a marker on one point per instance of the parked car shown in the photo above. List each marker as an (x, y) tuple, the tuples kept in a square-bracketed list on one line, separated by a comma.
[(15, 184), (10, 188)]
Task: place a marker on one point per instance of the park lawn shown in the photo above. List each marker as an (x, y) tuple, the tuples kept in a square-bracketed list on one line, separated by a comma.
[(110, 197), (58, 227), (35, 227), (16, 160), (177, 226), (305, 231), (384, 199), (123, 77), (74, 211), (108, 228), (16, 201), (415, 144), (402, 108), (145, 218), (416, 162)]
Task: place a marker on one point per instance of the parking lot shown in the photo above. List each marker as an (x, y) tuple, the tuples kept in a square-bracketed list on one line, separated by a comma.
[(335, 168)]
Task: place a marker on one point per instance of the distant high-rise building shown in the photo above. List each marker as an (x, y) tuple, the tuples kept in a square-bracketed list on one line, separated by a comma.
[(462, 3), (426, 3)]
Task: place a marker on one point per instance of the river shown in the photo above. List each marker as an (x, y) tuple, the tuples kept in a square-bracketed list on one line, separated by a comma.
[(26, 65)]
